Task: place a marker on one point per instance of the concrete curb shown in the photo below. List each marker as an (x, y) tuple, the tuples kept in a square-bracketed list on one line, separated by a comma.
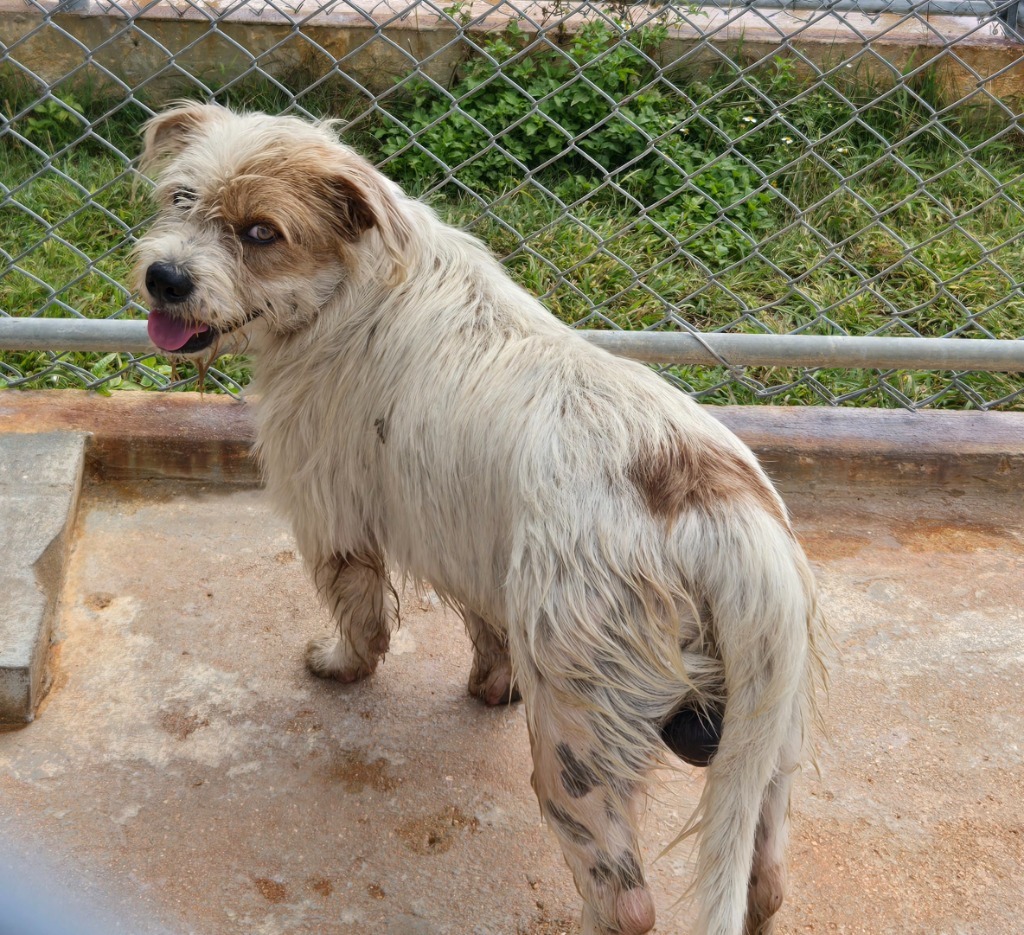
[(40, 480), (818, 448), (185, 436), (144, 436), (47, 437)]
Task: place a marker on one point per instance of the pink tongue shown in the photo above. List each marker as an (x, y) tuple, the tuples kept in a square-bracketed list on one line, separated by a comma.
[(169, 332)]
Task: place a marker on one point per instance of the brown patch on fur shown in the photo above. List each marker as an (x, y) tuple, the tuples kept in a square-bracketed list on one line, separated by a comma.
[(256, 197), (679, 477), (765, 895), (290, 206), (306, 195), (331, 571), (321, 198), (352, 212)]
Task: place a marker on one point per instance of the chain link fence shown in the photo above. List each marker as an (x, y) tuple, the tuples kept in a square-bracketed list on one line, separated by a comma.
[(825, 169)]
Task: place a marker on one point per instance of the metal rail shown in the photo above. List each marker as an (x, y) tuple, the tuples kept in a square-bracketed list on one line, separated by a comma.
[(716, 349), (817, 351)]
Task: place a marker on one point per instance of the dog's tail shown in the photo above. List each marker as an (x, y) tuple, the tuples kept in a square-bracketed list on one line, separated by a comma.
[(767, 629)]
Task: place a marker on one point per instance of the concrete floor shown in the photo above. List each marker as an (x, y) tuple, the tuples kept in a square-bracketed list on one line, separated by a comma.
[(187, 774)]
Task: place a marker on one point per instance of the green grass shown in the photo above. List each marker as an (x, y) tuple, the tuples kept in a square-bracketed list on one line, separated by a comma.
[(919, 239)]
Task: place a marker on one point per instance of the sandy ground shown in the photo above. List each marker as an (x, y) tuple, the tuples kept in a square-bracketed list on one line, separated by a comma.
[(187, 775)]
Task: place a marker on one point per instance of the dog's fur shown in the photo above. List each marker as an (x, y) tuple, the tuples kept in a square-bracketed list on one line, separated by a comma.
[(615, 552)]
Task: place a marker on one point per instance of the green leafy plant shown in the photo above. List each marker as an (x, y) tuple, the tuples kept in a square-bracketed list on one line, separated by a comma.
[(592, 115), (55, 122)]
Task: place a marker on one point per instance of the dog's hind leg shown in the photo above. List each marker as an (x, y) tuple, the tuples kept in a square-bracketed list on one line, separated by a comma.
[(593, 808), (357, 590), (490, 679), (767, 887)]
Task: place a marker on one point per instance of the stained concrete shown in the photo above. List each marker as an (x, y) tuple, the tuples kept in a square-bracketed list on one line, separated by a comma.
[(185, 764), (40, 477)]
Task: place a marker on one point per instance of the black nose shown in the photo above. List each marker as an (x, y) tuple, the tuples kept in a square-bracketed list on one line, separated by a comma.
[(168, 284)]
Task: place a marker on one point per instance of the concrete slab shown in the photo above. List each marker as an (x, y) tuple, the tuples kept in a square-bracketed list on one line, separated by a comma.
[(187, 765), (40, 478)]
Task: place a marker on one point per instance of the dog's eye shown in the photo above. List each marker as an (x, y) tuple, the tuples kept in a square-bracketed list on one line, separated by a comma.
[(261, 234), (185, 197)]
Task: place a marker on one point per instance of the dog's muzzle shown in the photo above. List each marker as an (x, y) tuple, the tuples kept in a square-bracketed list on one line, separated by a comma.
[(170, 286)]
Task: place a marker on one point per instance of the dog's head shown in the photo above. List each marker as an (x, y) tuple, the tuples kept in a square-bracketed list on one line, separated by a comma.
[(261, 220)]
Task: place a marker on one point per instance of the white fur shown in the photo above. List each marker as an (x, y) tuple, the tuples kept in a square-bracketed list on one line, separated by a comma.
[(417, 407)]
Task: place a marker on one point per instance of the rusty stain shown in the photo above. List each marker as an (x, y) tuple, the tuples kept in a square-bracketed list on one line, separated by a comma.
[(828, 547), (435, 834), (98, 601), (305, 721), (543, 925), (356, 773), (271, 890), (321, 886), (181, 724), (954, 536)]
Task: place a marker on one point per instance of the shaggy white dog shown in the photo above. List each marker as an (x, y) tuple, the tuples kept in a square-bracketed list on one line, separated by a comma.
[(618, 556)]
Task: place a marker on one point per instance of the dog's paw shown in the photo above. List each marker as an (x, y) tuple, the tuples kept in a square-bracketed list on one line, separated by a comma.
[(765, 895), (327, 659), (634, 915), (493, 684), (759, 927)]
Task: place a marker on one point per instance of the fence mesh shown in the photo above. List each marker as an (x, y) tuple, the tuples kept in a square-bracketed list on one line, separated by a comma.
[(697, 168)]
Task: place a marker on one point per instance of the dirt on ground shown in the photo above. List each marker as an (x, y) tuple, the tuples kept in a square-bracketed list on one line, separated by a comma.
[(186, 769)]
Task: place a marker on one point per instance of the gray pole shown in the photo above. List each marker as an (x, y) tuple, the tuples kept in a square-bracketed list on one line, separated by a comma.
[(742, 350)]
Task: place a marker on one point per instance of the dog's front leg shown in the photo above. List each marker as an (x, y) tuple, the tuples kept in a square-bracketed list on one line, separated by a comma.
[(490, 679), (356, 588)]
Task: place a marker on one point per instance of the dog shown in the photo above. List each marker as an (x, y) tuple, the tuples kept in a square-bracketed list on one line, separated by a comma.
[(620, 559)]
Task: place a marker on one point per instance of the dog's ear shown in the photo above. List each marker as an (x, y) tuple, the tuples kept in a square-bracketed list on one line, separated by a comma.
[(169, 132), (360, 198), (353, 208)]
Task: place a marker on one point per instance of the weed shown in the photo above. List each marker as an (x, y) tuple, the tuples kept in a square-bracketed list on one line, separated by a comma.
[(594, 113), (623, 195)]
